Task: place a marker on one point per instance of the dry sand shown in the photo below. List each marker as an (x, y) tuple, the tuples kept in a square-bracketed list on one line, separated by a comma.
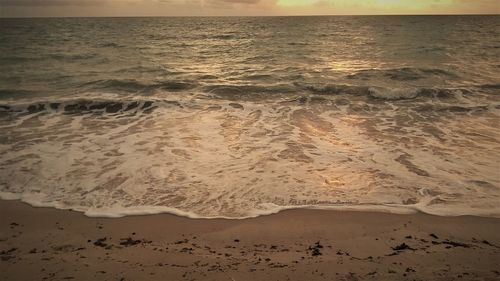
[(49, 244)]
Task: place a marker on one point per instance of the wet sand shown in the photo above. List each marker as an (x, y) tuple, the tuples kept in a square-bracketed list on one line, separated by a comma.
[(49, 244)]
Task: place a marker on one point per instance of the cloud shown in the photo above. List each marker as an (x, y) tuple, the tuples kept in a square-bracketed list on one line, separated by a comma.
[(221, 2), (45, 3), (242, 1)]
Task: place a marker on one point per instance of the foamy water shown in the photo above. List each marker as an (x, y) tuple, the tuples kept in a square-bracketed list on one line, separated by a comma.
[(212, 122)]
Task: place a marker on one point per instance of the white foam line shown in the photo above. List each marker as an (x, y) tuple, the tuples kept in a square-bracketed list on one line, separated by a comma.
[(119, 212)]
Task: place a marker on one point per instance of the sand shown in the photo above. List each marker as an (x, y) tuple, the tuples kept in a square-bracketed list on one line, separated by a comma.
[(49, 244)]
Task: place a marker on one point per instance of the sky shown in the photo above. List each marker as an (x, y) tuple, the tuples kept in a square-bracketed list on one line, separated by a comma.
[(71, 8)]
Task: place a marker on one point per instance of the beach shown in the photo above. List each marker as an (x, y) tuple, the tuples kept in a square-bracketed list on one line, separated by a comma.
[(250, 148), (50, 244)]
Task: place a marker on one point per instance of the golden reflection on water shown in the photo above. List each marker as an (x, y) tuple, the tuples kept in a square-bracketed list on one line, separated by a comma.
[(349, 65)]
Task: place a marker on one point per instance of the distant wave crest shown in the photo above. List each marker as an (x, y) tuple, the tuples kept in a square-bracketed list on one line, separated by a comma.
[(401, 74)]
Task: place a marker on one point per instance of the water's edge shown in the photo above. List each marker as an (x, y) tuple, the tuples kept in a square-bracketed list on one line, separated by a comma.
[(157, 210)]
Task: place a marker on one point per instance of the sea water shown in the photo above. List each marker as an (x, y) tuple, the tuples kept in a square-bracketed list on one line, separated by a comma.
[(238, 117)]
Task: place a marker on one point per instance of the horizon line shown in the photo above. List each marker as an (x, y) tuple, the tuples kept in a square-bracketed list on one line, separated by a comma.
[(251, 16)]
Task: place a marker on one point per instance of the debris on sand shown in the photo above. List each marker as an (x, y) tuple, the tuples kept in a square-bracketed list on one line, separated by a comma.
[(456, 244), (129, 242), (402, 247), (7, 255), (101, 242), (315, 249), (433, 236)]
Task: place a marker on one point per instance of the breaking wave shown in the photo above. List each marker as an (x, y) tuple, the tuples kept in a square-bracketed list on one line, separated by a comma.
[(199, 156), (402, 74)]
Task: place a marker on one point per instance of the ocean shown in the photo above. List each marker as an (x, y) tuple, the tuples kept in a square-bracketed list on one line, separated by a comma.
[(235, 117)]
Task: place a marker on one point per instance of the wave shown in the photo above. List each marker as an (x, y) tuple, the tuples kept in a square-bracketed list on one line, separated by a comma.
[(127, 94), (261, 86), (13, 59), (401, 74), (114, 104), (141, 69), (373, 92), (134, 86), (248, 91), (110, 45), (82, 106), (16, 93), (72, 57), (384, 93), (329, 89), (414, 92), (489, 86)]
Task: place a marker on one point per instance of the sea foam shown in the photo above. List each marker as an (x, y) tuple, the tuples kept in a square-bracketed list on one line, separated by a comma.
[(215, 158)]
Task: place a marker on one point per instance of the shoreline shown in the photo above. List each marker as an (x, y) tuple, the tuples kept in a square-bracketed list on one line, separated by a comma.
[(158, 210), (298, 244)]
